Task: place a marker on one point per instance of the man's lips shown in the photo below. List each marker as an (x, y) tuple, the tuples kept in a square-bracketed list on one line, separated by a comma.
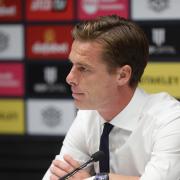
[(76, 95), (76, 91)]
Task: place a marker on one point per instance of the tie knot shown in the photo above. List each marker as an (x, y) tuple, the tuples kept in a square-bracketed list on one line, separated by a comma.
[(107, 128)]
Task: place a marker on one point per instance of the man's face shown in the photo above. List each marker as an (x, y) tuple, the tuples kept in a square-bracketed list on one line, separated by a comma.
[(91, 84)]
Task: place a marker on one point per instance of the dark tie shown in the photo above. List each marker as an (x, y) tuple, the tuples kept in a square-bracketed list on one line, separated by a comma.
[(104, 146)]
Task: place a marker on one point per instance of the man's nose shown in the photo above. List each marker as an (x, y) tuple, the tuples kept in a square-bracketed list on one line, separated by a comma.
[(71, 78)]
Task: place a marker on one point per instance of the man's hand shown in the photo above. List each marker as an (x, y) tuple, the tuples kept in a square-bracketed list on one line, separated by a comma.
[(61, 168)]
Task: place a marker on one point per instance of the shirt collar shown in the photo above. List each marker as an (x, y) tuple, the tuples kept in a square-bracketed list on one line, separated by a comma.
[(127, 119)]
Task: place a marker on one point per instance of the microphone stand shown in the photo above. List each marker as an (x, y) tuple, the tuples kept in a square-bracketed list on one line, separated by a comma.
[(67, 176)]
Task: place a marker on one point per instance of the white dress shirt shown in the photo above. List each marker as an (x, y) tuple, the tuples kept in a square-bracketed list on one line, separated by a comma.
[(145, 140)]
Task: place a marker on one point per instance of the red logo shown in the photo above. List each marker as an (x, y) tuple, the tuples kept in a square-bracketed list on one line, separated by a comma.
[(10, 10), (88, 9), (48, 42), (53, 10), (11, 79)]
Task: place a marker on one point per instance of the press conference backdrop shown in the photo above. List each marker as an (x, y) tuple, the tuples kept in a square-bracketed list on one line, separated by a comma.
[(36, 107)]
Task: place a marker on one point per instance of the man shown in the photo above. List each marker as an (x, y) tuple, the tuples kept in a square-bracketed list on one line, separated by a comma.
[(109, 55)]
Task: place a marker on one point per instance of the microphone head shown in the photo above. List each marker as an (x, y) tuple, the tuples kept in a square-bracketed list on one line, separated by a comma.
[(97, 156)]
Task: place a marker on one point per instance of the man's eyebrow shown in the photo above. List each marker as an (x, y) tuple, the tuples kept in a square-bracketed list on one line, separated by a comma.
[(83, 64), (79, 64)]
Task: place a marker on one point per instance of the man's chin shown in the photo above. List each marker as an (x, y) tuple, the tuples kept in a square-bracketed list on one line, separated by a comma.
[(82, 106)]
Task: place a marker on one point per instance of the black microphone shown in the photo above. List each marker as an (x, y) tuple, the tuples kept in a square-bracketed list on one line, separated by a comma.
[(97, 156)]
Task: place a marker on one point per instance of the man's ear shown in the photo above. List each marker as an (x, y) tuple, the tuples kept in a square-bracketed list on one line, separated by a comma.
[(124, 75)]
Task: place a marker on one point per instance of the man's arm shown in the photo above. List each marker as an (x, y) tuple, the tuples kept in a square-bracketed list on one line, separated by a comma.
[(61, 168), (74, 144)]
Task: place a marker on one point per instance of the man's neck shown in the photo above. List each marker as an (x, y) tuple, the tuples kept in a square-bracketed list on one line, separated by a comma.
[(118, 103)]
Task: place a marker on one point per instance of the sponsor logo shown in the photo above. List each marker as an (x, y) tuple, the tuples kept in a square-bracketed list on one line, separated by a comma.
[(51, 85), (92, 8), (7, 10), (48, 41), (7, 80), (160, 80), (53, 10), (158, 5), (48, 80), (51, 116), (4, 41), (48, 5), (10, 10), (8, 116), (11, 42), (50, 74), (12, 116), (162, 77), (159, 38), (49, 46), (11, 79)]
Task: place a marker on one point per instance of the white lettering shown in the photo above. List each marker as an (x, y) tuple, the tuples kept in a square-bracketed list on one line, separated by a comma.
[(8, 11), (9, 83), (43, 5), (50, 48), (111, 7)]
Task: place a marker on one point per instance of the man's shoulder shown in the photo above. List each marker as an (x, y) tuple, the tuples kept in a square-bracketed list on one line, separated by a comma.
[(162, 106), (162, 100)]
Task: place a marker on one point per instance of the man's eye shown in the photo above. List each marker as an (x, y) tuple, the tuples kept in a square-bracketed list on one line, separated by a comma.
[(82, 69)]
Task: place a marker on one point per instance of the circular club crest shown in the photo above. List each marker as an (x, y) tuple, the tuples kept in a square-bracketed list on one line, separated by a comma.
[(158, 5)]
